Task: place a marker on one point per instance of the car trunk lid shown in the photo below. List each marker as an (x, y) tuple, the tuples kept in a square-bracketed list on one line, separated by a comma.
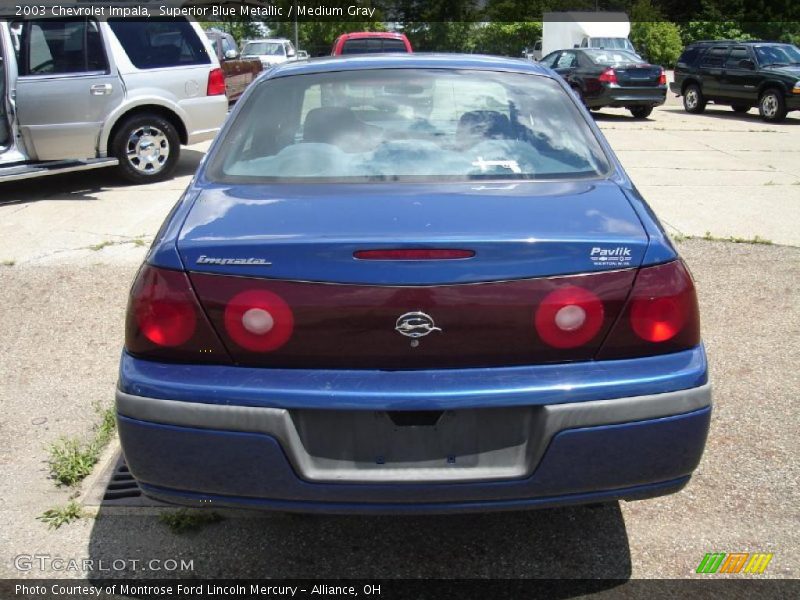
[(291, 255)]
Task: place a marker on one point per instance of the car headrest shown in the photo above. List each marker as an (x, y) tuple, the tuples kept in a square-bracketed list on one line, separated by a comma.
[(477, 125), (330, 123)]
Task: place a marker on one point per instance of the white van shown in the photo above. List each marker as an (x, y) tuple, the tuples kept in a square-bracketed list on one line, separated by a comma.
[(78, 94)]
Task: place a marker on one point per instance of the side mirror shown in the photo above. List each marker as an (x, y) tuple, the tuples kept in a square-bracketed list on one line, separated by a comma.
[(746, 63), (231, 55)]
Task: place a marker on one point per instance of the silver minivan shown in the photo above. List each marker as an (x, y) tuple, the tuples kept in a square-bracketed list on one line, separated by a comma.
[(79, 94)]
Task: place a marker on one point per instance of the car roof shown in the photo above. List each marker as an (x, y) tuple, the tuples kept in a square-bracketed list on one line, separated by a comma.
[(261, 40), (355, 35), (408, 61), (735, 42)]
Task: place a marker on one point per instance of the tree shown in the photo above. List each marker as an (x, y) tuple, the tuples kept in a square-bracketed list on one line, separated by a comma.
[(506, 39), (660, 41), (317, 37)]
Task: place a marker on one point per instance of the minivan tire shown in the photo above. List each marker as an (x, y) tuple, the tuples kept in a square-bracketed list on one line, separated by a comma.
[(693, 100), (772, 106), (641, 112), (147, 147)]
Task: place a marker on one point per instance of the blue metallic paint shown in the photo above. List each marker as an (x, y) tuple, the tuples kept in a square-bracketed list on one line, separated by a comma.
[(224, 213), (310, 232), (578, 461), (588, 465), (418, 389), (638, 492)]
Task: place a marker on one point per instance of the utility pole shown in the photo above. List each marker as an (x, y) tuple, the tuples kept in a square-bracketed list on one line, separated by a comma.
[(296, 33)]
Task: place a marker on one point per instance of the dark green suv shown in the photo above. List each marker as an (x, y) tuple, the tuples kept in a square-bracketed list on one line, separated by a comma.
[(741, 75)]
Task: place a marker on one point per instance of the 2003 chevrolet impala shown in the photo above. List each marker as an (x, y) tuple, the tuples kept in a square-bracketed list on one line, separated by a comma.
[(411, 283)]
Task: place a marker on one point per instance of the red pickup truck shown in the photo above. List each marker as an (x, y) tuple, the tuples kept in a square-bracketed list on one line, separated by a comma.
[(239, 72)]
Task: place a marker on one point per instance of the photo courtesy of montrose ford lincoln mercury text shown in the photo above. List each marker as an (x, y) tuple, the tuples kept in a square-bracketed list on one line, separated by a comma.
[(408, 283)]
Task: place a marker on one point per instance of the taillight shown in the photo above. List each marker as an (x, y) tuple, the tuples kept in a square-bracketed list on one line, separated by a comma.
[(413, 254), (660, 316), (662, 79), (216, 82), (258, 320), (165, 321), (569, 317), (608, 76)]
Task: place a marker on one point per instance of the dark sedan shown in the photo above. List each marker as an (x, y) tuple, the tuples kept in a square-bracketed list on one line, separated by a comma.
[(612, 78)]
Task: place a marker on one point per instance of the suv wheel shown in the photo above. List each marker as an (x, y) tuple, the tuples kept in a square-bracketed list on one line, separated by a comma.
[(741, 108), (693, 100), (147, 147), (772, 106), (641, 112)]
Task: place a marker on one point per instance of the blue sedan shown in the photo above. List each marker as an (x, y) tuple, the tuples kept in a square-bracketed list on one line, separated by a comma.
[(411, 284)]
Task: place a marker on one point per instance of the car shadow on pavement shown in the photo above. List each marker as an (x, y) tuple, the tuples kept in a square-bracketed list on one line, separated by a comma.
[(726, 113), (564, 543), (599, 115), (85, 185)]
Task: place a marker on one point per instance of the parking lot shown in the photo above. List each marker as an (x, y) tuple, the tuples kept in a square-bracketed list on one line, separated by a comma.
[(70, 245)]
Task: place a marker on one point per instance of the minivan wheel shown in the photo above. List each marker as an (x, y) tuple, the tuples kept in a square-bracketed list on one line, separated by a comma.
[(740, 108), (693, 100), (641, 112), (772, 106), (147, 147)]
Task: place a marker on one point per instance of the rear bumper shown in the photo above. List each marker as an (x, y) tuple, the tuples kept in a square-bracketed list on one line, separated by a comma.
[(628, 96), (234, 454)]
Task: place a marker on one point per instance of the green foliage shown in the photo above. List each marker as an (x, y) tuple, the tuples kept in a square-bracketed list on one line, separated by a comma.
[(712, 30), (659, 41), (72, 460), (317, 37), (441, 36), (240, 30), (61, 515), (184, 520), (506, 39)]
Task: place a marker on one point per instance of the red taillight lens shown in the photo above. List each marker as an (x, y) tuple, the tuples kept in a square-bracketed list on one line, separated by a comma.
[(569, 317), (662, 79), (661, 315), (216, 83), (413, 254), (608, 76), (165, 321), (259, 320)]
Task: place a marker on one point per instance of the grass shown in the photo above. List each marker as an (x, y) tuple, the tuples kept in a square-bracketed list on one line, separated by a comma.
[(61, 515), (101, 245), (738, 240), (71, 459), (184, 520), (11, 263), (138, 241)]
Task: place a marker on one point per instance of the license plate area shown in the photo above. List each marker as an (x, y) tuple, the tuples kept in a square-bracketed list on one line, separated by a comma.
[(473, 444)]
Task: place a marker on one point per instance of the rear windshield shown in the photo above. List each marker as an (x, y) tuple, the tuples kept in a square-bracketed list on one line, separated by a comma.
[(611, 57), (158, 43), (373, 45), (407, 125), (264, 48)]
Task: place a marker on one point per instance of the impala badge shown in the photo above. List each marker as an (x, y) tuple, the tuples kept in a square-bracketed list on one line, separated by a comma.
[(415, 325)]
